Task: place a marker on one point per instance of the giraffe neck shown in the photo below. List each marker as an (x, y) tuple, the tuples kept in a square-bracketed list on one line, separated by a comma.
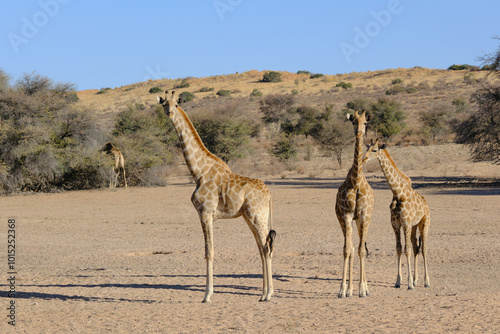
[(396, 179), (198, 159), (356, 169)]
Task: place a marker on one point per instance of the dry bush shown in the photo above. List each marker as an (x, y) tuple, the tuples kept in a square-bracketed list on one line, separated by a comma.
[(47, 143), (146, 138)]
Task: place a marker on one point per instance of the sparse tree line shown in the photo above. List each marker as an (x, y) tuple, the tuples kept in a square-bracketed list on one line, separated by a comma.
[(49, 142)]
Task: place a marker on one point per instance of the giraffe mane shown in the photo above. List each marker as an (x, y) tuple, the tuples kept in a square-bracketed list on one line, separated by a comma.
[(395, 166), (196, 136)]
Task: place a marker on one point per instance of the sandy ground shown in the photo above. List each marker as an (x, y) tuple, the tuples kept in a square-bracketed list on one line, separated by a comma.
[(131, 261)]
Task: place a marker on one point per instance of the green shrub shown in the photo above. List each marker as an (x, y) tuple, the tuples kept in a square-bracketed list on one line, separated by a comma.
[(396, 89), (184, 84), (72, 97), (303, 72), (316, 75), (388, 118), (271, 77), (470, 79), (411, 89), (397, 82), (186, 96), (295, 92), (434, 122), (146, 137), (285, 148), (275, 108), (206, 89), (333, 134), (455, 67), (155, 90), (345, 85), (461, 104), (52, 143), (256, 93), (223, 93), (224, 133)]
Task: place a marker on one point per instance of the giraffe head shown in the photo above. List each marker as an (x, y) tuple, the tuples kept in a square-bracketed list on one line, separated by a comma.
[(373, 150), (169, 103), (107, 148), (359, 121)]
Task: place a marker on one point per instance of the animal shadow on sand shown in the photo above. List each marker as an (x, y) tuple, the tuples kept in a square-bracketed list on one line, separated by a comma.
[(221, 288)]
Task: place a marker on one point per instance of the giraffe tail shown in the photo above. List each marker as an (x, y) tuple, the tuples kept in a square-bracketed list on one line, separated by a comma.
[(272, 233), (270, 241), (419, 245)]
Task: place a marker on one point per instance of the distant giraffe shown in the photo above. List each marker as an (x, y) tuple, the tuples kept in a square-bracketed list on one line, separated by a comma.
[(409, 210), (222, 194), (355, 202), (119, 164)]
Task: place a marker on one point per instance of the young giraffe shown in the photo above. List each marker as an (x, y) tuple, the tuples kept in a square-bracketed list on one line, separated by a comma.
[(222, 194), (409, 210), (355, 202), (119, 164)]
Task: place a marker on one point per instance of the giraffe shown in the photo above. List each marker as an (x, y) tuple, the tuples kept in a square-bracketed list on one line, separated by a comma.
[(222, 194), (355, 202), (119, 164), (409, 210)]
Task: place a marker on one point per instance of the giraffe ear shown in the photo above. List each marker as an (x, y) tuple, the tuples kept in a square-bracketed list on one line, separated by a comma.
[(350, 117), (160, 100), (383, 147)]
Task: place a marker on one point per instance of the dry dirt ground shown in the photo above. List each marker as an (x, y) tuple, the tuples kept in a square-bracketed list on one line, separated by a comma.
[(131, 261)]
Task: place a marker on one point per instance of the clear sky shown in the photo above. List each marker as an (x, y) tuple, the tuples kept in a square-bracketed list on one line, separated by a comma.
[(97, 44)]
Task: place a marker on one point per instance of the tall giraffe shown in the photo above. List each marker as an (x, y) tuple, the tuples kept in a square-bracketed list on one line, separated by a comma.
[(409, 210), (119, 164), (355, 202), (222, 194)]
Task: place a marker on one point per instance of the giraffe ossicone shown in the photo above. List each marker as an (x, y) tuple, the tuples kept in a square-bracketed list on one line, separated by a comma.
[(222, 194)]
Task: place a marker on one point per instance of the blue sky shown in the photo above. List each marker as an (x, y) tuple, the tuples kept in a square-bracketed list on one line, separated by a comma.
[(97, 44)]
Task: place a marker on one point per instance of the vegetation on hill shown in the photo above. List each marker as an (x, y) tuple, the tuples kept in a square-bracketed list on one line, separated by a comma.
[(51, 136)]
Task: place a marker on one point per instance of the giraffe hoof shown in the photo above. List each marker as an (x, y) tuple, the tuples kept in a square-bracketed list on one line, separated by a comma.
[(410, 287)]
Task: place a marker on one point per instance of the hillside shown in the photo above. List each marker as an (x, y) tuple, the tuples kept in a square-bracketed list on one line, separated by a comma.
[(430, 88)]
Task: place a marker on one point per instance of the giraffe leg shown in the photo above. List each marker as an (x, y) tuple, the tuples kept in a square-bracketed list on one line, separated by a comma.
[(346, 224), (111, 178), (363, 284), (264, 251), (415, 245), (124, 178), (207, 226), (424, 228), (407, 233), (399, 249)]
